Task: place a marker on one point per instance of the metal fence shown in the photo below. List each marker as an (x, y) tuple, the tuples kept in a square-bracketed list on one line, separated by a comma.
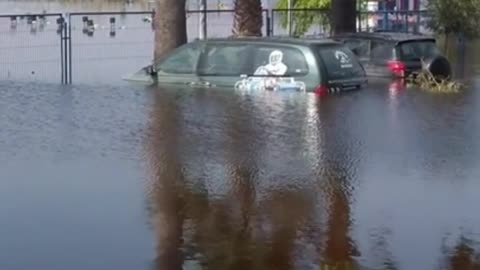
[(288, 22), (398, 21), (219, 23), (317, 21), (104, 46), (108, 45), (31, 47)]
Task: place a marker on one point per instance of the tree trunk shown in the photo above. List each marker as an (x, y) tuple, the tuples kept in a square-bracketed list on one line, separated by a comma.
[(344, 16), (170, 26), (248, 18)]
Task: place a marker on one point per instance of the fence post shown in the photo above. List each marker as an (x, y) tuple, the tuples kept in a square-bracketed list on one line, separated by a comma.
[(289, 18), (61, 25), (272, 22), (65, 60), (203, 19), (359, 20), (66, 51), (268, 25), (65, 48), (383, 6), (69, 36), (417, 27)]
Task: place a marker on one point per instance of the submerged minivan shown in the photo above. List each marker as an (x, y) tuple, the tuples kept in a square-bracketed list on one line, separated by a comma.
[(261, 64)]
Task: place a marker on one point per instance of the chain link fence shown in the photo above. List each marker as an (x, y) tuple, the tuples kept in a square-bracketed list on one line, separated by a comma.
[(97, 47), (219, 23), (300, 22), (106, 46), (30, 47)]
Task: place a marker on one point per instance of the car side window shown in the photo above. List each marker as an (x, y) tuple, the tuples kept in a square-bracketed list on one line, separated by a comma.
[(418, 49), (183, 60), (224, 60), (381, 50), (360, 47), (279, 60)]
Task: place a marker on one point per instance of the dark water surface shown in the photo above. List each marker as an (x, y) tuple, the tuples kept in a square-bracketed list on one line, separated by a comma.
[(129, 177)]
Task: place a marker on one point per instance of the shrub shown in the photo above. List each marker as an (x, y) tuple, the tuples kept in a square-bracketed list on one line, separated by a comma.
[(426, 81)]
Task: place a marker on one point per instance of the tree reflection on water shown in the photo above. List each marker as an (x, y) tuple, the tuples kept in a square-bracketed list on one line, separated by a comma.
[(263, 218), (461, 256), (246, 228)]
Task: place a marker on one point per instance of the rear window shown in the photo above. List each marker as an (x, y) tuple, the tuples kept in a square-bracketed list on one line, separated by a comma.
[(279, 61), (381, 51), (340, 62), (416, 50)]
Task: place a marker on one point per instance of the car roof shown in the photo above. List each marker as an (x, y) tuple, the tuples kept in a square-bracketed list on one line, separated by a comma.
[(389, 36), (276, 40)]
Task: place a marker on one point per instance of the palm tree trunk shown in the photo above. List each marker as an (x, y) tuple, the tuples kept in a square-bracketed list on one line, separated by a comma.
[(248, 18), (170, 26), (344, 16)]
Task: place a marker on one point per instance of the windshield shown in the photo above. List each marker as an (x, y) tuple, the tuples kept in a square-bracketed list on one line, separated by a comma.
[(416, 50), (340, 62)]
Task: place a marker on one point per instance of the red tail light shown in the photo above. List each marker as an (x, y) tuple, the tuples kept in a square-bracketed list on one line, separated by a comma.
[(396, 85), (397, 68), (321, 90)]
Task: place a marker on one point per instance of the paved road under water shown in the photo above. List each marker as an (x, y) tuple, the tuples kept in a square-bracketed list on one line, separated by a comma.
[(130, 177)]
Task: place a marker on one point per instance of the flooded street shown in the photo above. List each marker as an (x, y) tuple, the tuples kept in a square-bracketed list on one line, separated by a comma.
[(105, 174), (130, 177)]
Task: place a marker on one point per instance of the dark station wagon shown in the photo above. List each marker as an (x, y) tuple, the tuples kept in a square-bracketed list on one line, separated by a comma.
[(259, 64), (395, 54)]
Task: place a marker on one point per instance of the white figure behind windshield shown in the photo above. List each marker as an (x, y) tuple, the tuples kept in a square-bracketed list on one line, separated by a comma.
[(275, 65), (270, 77)]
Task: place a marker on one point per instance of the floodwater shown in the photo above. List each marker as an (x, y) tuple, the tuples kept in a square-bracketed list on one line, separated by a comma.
[(104, 174), (130, 177)]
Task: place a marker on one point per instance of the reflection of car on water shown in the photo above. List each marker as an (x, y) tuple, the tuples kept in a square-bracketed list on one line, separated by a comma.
[(249, 84), (288, 84), (270, 83)]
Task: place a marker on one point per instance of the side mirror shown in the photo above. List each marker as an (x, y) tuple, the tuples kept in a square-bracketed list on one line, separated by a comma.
[(150, 70)]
